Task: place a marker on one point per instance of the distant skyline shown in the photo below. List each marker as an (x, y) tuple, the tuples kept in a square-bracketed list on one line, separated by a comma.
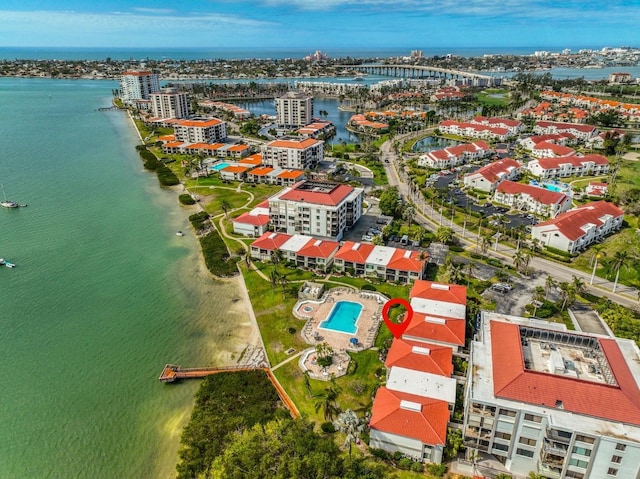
[(319, 24)]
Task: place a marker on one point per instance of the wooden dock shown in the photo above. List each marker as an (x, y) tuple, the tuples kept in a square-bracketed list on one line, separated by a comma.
[(172, 373)]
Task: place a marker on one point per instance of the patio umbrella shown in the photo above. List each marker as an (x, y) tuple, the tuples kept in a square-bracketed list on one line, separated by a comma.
[(354, 341)]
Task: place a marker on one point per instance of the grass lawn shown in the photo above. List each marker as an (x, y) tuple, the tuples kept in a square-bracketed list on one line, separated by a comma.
[(485, 98), (628, 175)]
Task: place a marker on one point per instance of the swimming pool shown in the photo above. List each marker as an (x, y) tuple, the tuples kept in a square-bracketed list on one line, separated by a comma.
[(219, 166), (343, 317)]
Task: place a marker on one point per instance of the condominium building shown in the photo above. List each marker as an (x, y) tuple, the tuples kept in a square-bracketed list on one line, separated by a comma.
[(573, 165), (200, 130), (489, 177), (170, 103), (531, 198), (574, 230), (138, 85), (296, 153), (294, 110), (455, 155), (317, 208), (560, 403), (302, 250)]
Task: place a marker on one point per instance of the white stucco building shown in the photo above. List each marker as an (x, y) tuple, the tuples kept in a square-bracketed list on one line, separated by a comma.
[(574, 230), (170, 103), (138, 85), (200, 130), (559, 403), (294, 110), (295, 153), (317, 208), (489, 177), (531, 198)]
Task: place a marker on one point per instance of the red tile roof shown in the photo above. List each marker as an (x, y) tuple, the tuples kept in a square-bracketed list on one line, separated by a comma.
[(551, 163), (199, 123), (318, 248), (494, 171), (354, 254), (571, 222), (264, 171), (291, 174), (448, 293), (270, 241), (560, 126), (255, 220), (437, 361), (428, 425), (406, 260), (332, 198), (558, 150), (541, 195), (512, 381), (235, 169), (296, 144), (436, 328)]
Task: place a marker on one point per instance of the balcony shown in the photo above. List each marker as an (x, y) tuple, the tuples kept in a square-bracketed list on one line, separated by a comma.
[(550, 472)]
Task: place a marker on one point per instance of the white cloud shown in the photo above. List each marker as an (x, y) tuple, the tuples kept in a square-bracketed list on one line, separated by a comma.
[(159, 11)]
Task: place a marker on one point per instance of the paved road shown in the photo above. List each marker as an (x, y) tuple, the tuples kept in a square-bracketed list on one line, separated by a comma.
[(431, 219)]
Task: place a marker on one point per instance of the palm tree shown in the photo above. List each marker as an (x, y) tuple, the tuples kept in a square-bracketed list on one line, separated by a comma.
[(620, 259), (526, 258), (408, 214), (349, 423), (471, 267), (568, 294), (518, 260), (276, 258), (444, 234), (578, 285), (226, 206), (284, 282), (327, 402), (548, 284), (485, 242)]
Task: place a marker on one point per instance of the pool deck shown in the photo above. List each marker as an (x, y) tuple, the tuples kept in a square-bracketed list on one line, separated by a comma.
[(314, 312)]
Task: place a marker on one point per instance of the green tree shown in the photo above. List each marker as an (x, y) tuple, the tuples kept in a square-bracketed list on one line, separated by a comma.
[(620, 259), (226, 206), (443, 234), (351, 425), (454, 443), (327, 401), (389, 201)]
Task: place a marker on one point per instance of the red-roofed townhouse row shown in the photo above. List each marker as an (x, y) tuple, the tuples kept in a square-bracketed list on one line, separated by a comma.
[(531, 198), (489, 176), (546, 149), (574, 230), (303, 251), (476, 130), (580, 131), (572, 165), (391, 264), (455, 155), (411, 414)]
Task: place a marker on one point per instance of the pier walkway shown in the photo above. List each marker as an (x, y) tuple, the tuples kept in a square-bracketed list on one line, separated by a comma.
[(172, 373)]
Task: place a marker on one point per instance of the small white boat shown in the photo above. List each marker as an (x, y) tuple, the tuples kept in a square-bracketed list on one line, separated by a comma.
[(9, 265), (7, 203), (179, 233)]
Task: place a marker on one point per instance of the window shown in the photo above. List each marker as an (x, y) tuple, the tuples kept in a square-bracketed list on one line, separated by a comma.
[(621, 447), (582, 451), (616, 459), (501, 447), (503, 435), (574, 475), (532, 418), (612, 471), (587, 439), (507, 412), (578, 463), (524, 452), (527, 442)]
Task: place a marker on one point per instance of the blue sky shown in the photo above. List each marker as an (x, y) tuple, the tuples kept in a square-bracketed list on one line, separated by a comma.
[(319, 24)]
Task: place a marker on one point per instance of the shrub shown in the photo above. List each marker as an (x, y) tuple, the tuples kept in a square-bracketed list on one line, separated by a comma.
[(405, 464), (368, 287), (380, 454), (437, 470), (292, 330), (166, 176), (456, 248), (186, 199), (328, 427), (417, 467), (198, 220), (325, 361)]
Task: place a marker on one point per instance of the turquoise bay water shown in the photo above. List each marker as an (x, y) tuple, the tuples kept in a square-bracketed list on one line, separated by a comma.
[(103, 295), (343, 317)]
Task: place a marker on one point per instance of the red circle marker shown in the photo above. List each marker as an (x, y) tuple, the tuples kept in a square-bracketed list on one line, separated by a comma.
[(397, 328)]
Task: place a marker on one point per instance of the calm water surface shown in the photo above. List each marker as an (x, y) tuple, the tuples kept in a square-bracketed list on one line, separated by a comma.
[(103, 295)]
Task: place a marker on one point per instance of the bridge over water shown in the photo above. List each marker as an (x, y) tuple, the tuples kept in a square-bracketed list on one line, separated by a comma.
[(425, 72)]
